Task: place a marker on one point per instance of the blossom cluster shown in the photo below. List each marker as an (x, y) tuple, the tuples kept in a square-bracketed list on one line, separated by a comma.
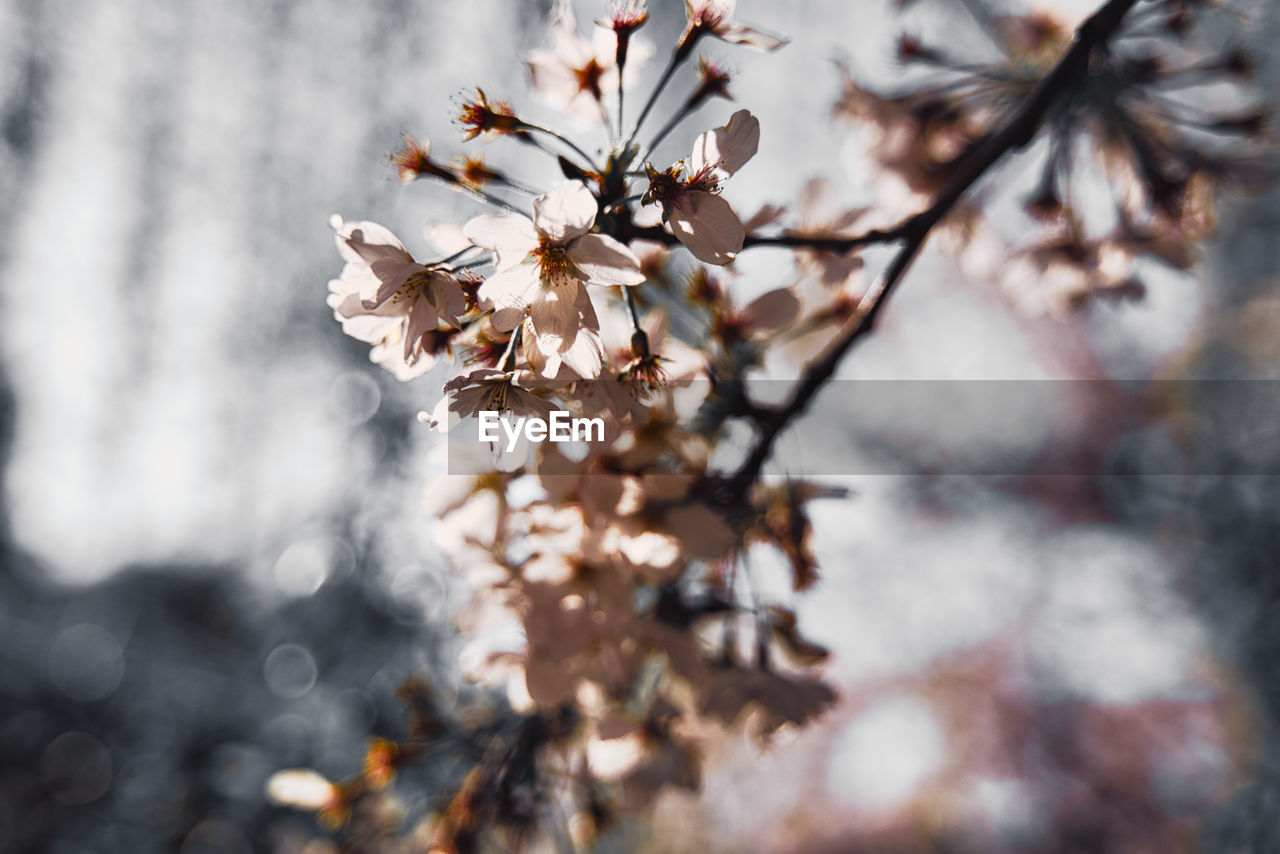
[(1129, 162), (615, 623)]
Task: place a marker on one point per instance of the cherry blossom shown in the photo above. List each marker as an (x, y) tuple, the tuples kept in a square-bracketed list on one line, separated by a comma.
[(617, 604), (542, 265), (385, 297), (573, 74), (692, 208), (714, 18)]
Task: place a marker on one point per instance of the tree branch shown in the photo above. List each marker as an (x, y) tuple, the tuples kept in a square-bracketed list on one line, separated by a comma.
[(1021, 128), (830, 243)]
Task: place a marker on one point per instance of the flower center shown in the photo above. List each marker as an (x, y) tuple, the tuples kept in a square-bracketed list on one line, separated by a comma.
[(415, 285), (588, 77), (555, 267), (498, 392)]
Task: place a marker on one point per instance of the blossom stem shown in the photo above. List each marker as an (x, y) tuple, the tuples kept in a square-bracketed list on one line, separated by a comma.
[(508, 361), (620, 67), (682, 114), (729, 642), (1021, 128), (631, 309), (512, 184), (485, 196), (586, 158), (479, 262), (445, 262), (680, 55)]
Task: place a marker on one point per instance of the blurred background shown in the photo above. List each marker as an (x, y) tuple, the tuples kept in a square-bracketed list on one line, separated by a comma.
[(214, 561)]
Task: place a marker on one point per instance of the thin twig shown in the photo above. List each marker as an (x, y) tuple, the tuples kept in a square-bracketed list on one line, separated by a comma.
[(1094, 33), (587, 161), (829, 243), (680, 55)]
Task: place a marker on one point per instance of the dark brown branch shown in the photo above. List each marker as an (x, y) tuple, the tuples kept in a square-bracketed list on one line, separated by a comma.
[(822, 242), (829, 243), (1093, 34)]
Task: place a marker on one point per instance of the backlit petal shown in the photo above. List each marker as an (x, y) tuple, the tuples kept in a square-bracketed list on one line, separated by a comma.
[(749, 37), (508, 288), (726, 149), (707, 226), (566, 212), (511, 235), (604, 261)]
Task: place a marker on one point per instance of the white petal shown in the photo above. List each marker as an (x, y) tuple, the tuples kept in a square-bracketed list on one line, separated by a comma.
[(566, 212), (506, 319), (447, 238), (773, 310), (391, 274), (447, 297), (508, 288), (512, 236), (749, 37), (707, 226), (726, 149), (366, 242), (371, 328), (442, 417), (300, 787), (556, 313), (584, 355), (604, 261), (422, 320)]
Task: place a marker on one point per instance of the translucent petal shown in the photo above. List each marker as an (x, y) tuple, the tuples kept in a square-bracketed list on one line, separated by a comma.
[(566, 212), (707, 226), (604, 261)]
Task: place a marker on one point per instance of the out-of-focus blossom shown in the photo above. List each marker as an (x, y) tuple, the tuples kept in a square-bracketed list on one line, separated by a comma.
[(729, 692), (715, 18), (477, 116), (783, 521), (413, 161), (573, 74), (541, 267), (713, 82), (473, 174), (691, 205), (1127, 126), (303, 788), (832, 269), (649, 360), (765, 314), (625, 17)]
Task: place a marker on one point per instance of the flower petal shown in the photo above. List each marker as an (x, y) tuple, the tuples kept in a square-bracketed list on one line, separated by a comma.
[(749, 37), (566, 212), (391, 274), (446, 237), (447, 297), (706, 225), (508, 287), (506, 319), (511, 235), (726, 149), (604, 261), (773, 310), (421, 320), (556, 313), (366, 242)]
